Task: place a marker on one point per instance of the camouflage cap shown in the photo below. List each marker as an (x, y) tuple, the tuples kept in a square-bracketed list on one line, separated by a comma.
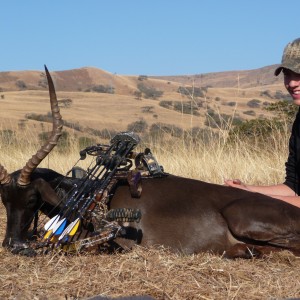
[(290, 58)]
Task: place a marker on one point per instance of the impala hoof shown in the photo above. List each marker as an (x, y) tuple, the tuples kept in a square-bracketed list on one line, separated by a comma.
[(29, 252), (22, 249)]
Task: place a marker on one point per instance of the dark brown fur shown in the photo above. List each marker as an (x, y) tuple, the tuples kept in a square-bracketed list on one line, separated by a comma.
[(23, 202), (192, 216)]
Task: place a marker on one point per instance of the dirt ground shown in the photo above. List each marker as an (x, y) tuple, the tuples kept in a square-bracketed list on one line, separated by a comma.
[(154, 272)]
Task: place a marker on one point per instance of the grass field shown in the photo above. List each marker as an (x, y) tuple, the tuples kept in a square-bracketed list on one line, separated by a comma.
[(156, 271)]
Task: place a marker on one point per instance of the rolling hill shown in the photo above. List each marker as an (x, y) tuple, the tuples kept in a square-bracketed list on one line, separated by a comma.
[(94, 99)]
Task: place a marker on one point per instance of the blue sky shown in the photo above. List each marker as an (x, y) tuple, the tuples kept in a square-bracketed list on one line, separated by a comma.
[(153, 37)]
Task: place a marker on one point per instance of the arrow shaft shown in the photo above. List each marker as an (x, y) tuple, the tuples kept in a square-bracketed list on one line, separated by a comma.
[(89, 187)]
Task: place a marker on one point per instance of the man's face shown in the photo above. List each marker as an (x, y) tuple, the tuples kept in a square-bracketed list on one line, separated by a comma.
[(292, 84)]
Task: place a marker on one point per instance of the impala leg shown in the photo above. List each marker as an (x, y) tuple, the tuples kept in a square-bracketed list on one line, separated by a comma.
[(249, 251), (264, 221)]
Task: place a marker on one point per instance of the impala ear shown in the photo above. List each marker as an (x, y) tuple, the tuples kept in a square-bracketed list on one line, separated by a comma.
[(47, 192)]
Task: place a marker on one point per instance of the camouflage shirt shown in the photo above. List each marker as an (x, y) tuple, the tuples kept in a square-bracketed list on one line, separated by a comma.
[(292, 166)]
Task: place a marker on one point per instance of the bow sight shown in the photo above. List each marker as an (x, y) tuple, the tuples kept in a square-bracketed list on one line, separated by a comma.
[(85, 221)]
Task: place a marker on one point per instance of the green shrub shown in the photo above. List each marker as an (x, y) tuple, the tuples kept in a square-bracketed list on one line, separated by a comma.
[(108, 89), (221, 120), (63, 144), (7, 137), (231, 103), (103, 133), (139, 126), (148, 109), (266, 93), (192, 91), (43, 136), (84, 142), (158, 130), (186, 108), (138, 95), (21, 85), (142, 77), (72, 125), (284, 110), (199, 134), (39, 117), (254, 103), (48, 118), (149, 92), (182, 107), (260, 129), (279, 95), (166, 104), (65, 103), (249, 112), (21, 124)]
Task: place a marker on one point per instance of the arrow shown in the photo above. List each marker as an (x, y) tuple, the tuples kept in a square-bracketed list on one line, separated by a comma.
[(124, 148), (56, 225), (50, 232), (69, 230), (51, 223), (90, 188)]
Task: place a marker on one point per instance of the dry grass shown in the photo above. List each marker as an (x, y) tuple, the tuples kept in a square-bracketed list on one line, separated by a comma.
[(155, 271)]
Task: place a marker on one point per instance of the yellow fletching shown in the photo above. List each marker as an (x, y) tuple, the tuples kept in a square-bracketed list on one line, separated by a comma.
[(47, 234), (75, 228), (54, 239)]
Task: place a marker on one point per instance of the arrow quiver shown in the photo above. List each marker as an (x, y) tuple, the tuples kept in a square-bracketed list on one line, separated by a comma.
[(89, 221)]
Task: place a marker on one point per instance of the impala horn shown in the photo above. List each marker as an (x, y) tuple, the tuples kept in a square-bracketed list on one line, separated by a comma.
[(24, 178)]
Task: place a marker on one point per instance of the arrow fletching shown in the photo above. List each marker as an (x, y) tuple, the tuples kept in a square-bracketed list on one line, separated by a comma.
[(54, 229), (60, 227), (51, 223), (67, 230), (75, 228), (47, 234)]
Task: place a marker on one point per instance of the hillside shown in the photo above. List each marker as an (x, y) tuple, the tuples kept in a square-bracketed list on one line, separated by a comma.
[(87, 77), (231, 79), (91, 98)]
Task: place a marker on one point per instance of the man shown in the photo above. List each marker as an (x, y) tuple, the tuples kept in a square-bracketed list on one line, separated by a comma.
[(290, 189)]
